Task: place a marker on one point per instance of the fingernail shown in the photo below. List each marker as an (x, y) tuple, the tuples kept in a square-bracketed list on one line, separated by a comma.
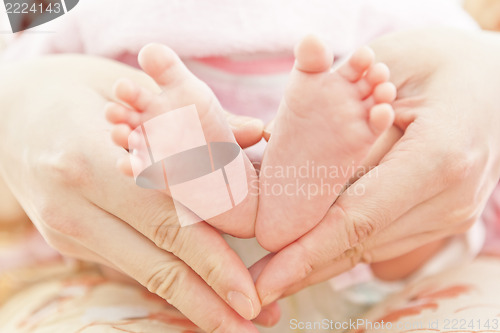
[(266, 134), (242, 304), (268, 129)]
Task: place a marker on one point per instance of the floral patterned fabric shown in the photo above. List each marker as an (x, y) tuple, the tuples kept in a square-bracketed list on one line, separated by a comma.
[(51, 294)]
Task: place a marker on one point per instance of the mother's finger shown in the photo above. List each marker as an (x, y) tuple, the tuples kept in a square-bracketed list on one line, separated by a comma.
[(412, 223), (360, 212), (402, 246), (72, 248), (164, 274), (61, 229), (347, 261), (366, 253), (322, 274), (432, 215), (200, 246)]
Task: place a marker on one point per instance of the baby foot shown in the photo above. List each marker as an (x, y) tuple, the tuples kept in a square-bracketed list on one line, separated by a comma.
[(180, 88), (325, 127)]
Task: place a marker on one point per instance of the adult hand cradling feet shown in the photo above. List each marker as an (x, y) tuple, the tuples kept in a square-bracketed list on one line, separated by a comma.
[(431, 184), (64, 175), (434, 181)]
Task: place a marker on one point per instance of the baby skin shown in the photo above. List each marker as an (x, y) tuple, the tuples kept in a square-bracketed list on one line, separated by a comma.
[(325, 127), (334, 116), (179, 88)]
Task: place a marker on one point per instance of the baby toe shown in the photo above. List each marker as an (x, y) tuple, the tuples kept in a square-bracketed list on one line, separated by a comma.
[(375, 75), (384, 93), (162, 64), (358, 64), (381, 118), (132, 94), (312, 56), (124, 165), (120, 134)]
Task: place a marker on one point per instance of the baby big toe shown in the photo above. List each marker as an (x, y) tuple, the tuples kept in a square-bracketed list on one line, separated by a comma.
[(162, 64), (312, 55)]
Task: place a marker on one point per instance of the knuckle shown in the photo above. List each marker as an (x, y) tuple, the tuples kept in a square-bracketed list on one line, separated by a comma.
[(167, 234), (362, 225), (357, 254), (361, 230), (307, 260), (166, 281), (356, 225), (70, 167), (454, 164), (460, 164), (214, 271), (338, 213), (466, 210)]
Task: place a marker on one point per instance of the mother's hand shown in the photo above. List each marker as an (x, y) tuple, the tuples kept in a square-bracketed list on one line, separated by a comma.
[(57, 157), (436, 179)]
